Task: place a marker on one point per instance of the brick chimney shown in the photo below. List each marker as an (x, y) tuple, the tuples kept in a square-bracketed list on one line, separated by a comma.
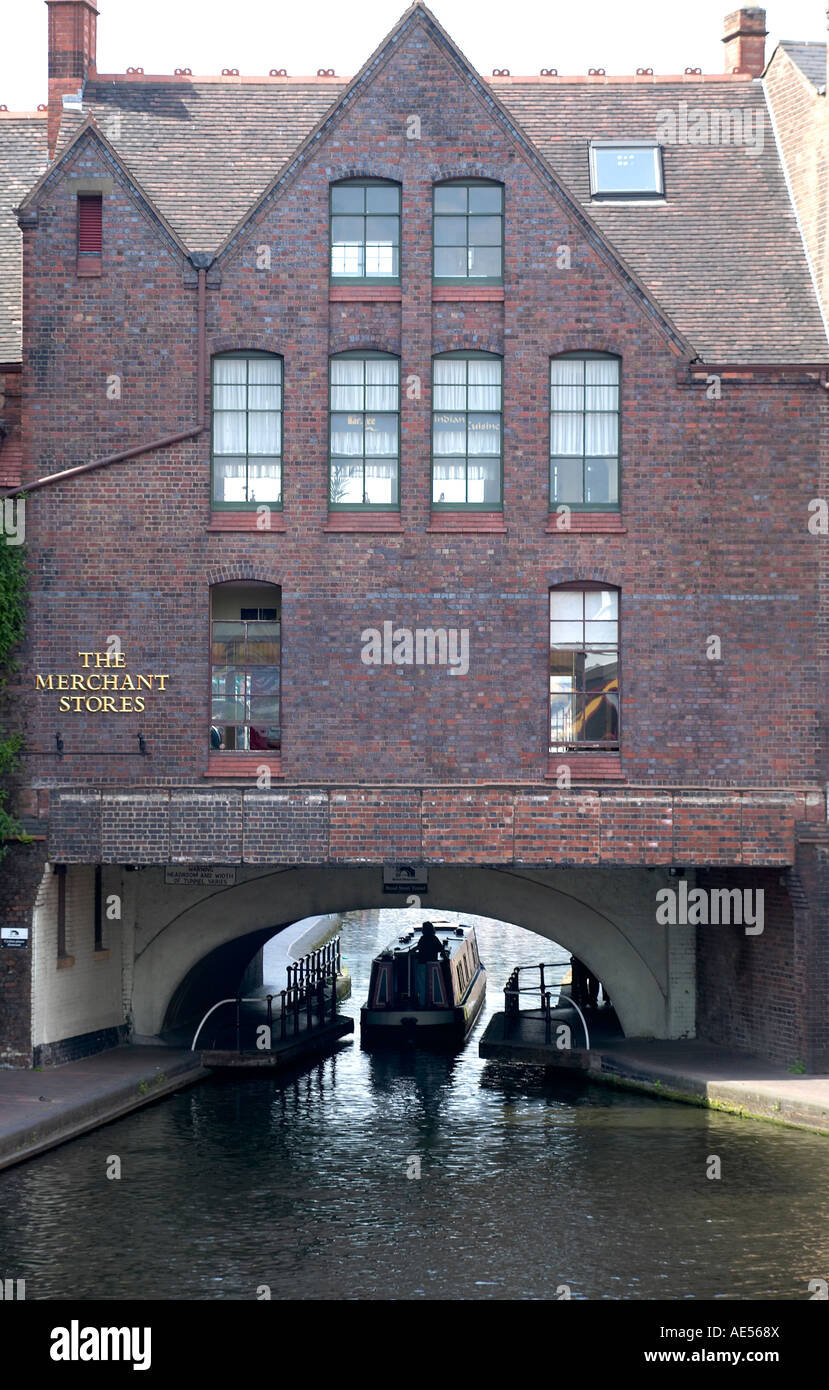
[(72, 25), (745, 41)]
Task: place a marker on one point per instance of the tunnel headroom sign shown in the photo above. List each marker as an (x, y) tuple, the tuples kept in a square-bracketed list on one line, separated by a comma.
[(102, 686)]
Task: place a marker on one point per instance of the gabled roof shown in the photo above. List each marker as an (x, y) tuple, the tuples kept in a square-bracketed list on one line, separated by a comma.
[(87, 131), (22, 159), (722, 258), (204, 149), (810, 58)]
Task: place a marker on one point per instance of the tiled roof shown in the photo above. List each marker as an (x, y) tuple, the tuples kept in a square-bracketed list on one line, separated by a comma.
[(810, 58), (22, 161), (723, 255), (204, 151)]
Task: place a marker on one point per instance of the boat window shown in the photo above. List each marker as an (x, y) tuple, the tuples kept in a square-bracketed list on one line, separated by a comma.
[(381, 991), (438, 996)]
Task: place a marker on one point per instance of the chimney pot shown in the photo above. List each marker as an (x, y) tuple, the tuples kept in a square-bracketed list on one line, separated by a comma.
[(745, 41)]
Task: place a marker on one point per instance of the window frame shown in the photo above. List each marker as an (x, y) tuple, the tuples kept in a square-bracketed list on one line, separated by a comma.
[(565, 749), (365, 279), (364, 356), (468, 279), (247, 506), (586, 356), (258, 753), (626, 195), (467, 506)]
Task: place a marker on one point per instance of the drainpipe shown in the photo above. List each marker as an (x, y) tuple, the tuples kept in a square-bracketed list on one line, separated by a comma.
[(201, 263)]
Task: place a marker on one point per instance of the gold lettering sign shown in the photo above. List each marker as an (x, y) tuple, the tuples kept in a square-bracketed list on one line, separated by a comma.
[(94, 679)]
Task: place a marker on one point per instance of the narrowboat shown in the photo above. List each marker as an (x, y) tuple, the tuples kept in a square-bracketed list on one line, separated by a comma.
[(427, 986)]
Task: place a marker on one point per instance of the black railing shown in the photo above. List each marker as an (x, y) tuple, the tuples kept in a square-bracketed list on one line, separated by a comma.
[(308, 1002), (544, 989)]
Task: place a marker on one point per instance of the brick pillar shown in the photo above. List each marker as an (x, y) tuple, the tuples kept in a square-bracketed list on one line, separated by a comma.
[(72, 38), (745, 41), (810, 900)]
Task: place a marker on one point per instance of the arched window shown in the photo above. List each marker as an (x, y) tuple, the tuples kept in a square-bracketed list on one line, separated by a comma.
[(468, 232), (467, 431), (584, 668), (365, 231), (584, 431), (364, 436), (245, 668), (247, 430)]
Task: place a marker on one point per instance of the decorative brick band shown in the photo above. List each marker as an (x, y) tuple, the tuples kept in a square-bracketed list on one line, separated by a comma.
[(433, 825)]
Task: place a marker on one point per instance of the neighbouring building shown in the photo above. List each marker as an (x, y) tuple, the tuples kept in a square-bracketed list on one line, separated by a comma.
[(420, 468)]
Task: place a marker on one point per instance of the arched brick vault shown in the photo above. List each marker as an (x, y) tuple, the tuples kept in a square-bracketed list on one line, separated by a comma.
[(188, 953)]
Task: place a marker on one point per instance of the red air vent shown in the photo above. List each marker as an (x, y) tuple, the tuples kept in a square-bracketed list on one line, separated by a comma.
[(89, 225)]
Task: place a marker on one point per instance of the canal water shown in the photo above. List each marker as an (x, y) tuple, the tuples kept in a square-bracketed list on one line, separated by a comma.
[(527, 1189)]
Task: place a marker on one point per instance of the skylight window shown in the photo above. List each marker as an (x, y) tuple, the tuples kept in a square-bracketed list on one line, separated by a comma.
[(626, 169)]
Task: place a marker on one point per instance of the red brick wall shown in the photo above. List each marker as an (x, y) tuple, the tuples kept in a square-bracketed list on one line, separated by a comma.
[(714, 496), (10, 447)]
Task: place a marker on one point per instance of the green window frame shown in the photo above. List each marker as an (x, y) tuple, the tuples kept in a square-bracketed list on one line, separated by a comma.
[(364, 432), (467, 410), (246, 431), (585, 429), (468, 232), (584, 668), (364, 232)]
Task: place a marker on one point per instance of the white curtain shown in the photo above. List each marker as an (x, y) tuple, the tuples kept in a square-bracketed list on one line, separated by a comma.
[(450, 384), (584, 399), (484, 434), (365, 384), (484, 385), (347, 385), (382, 377), (247, 396)]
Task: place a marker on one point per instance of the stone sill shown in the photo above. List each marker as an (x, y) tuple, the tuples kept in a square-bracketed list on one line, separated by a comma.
[(459, 523), (101, 955), (445, 294), (355, 294), (65, 962), (600, 523), (89, 267), (587, 767), (222, 522), (351, 523), (243, 764)]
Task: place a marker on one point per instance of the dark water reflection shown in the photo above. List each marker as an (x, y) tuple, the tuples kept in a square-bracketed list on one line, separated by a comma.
[(301, 1185)]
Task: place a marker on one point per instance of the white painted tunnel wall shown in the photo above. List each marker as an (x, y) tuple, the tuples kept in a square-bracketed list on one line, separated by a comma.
[(606, 917)]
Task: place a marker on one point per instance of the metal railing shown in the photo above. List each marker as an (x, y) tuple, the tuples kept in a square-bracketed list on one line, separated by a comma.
[(303, 1005), (544, 989)]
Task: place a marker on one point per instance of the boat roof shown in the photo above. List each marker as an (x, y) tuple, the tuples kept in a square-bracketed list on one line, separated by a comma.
[(452, 935)]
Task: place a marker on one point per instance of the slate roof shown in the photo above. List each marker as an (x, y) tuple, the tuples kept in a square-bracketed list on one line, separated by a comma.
[(22, 161), (723, 255), (810, 58)]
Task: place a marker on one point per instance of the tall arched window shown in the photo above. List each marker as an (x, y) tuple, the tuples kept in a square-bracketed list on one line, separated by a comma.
[(247, 430), (584, 668), (364, 437), (365, 231), (467, 431), (468, 232), (584, 431), (245, 668)]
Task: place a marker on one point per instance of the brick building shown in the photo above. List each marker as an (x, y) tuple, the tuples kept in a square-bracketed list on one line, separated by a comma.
[(418, 468)]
